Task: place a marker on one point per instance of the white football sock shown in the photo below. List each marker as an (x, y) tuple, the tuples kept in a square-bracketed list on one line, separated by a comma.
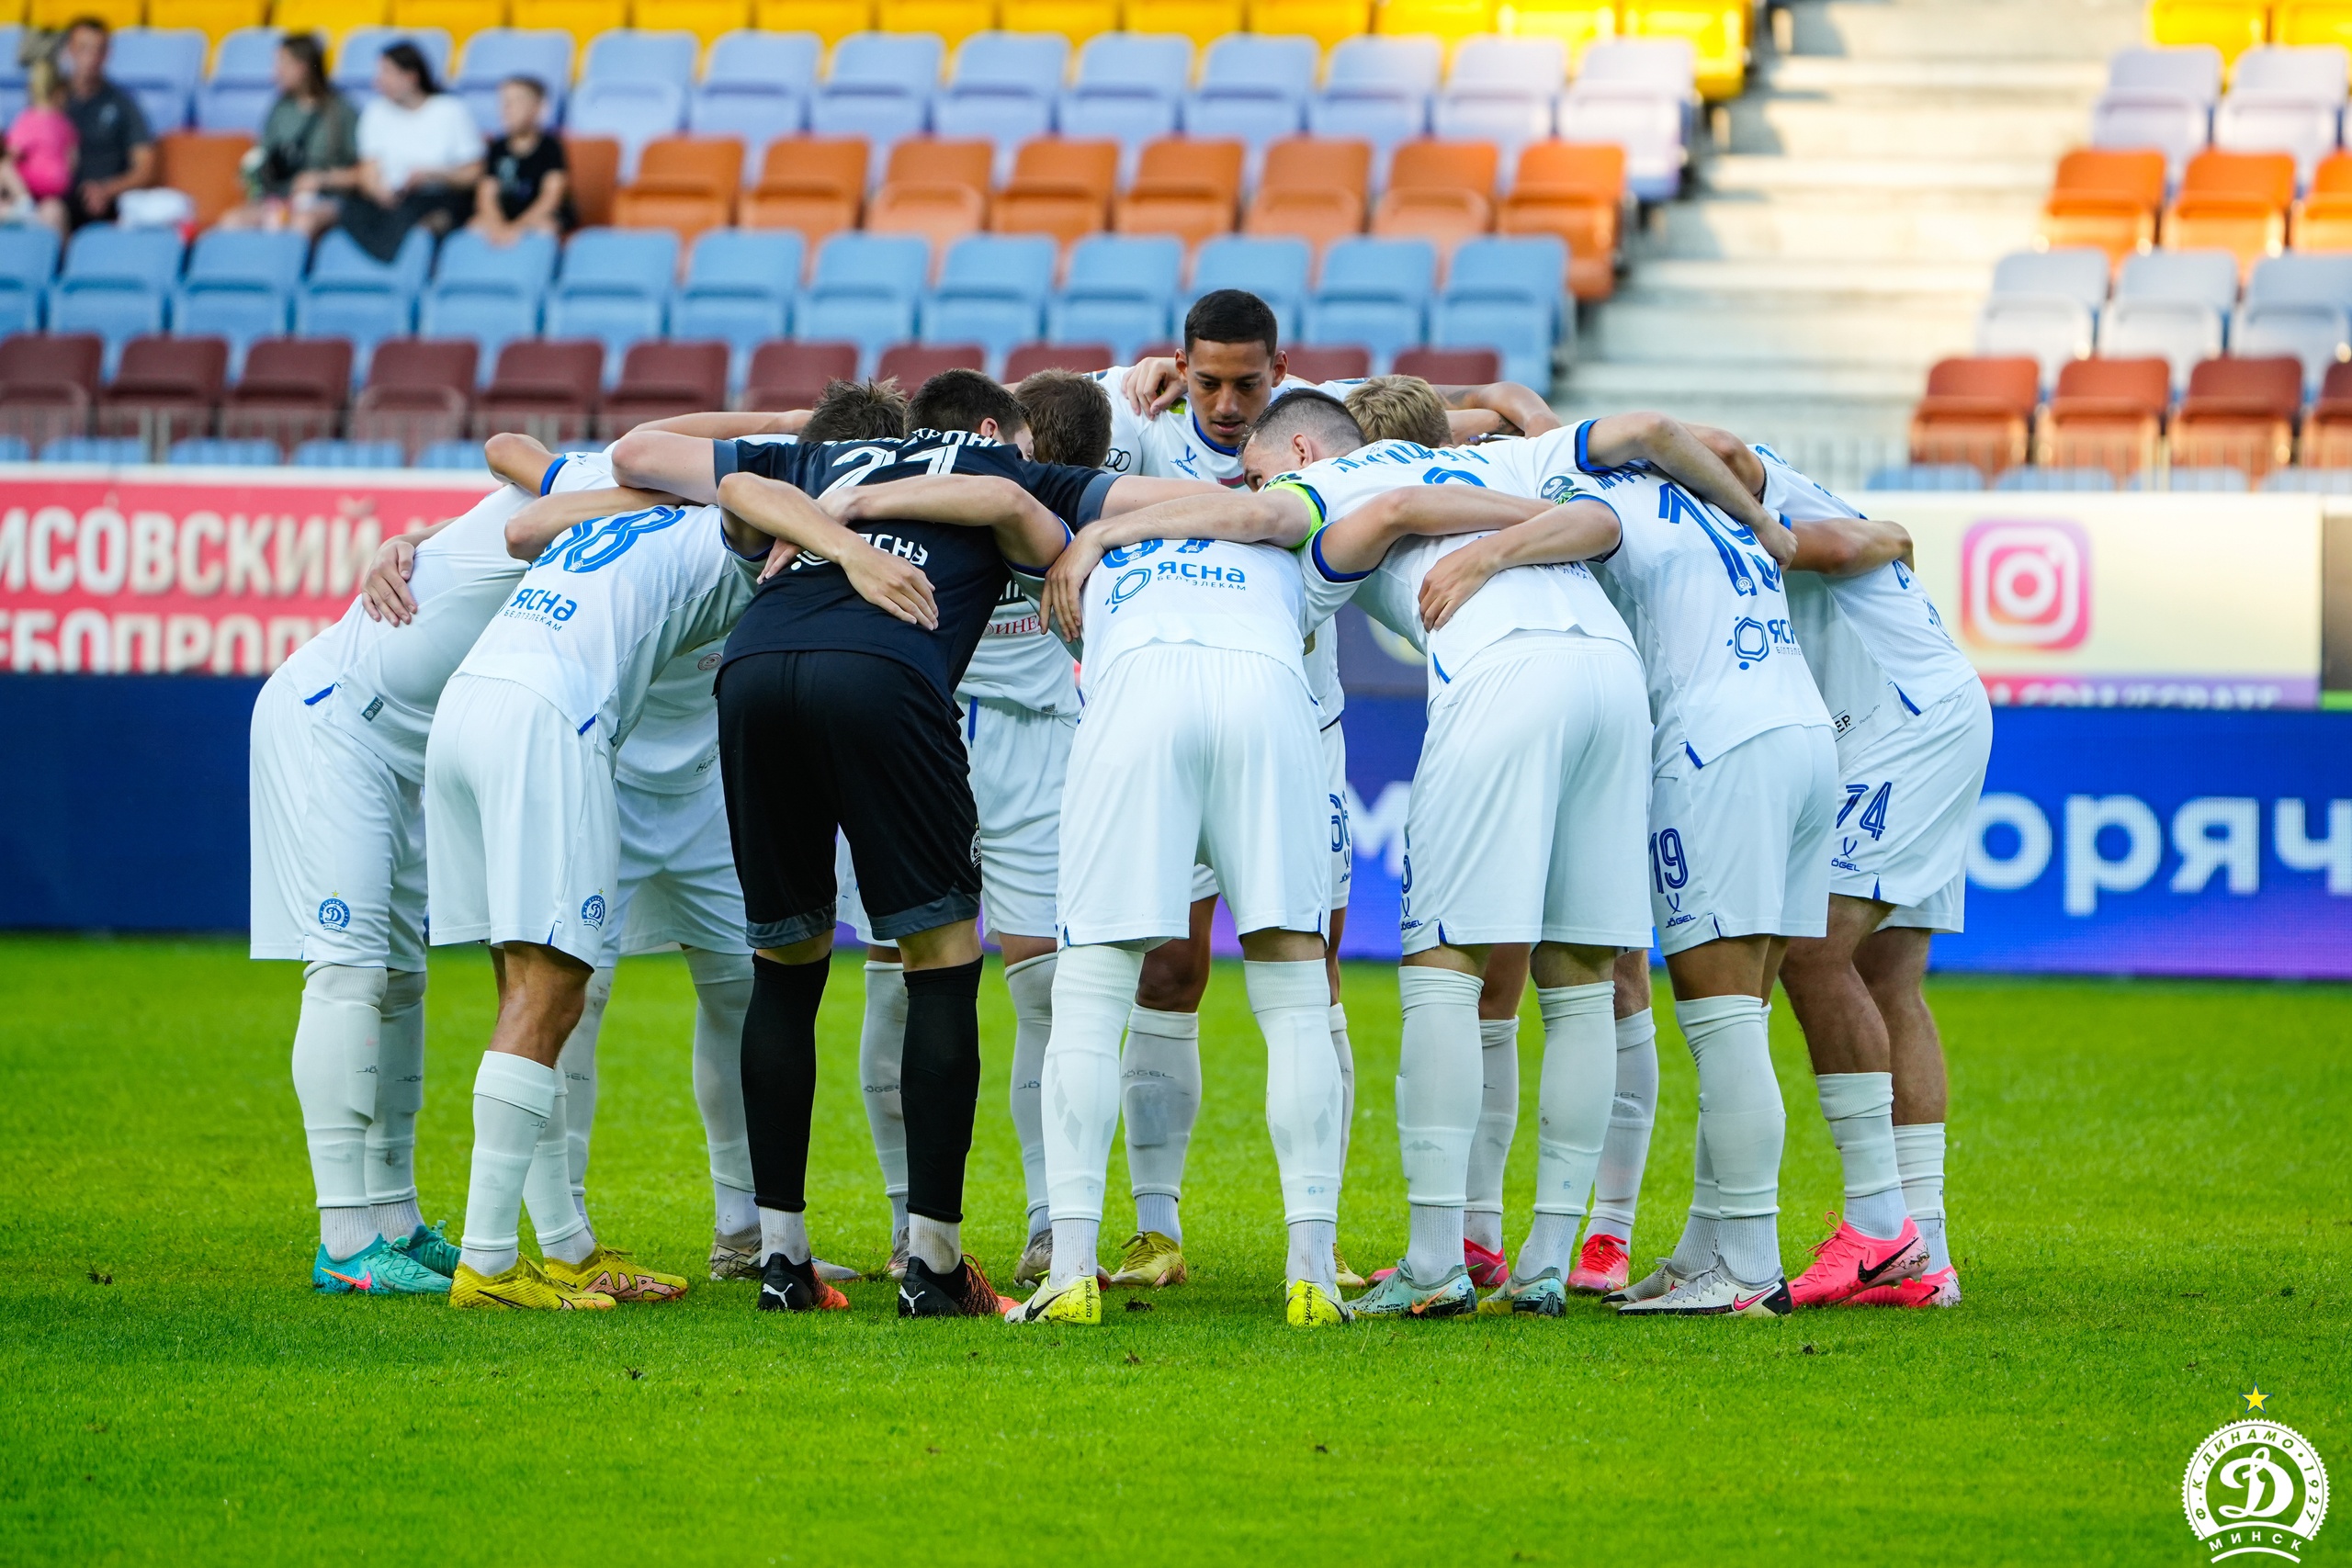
[(513, 1098), (1093, 988), (1919, 1155), (1740, 1111), (1437, 1111), (1159, 1095), (1626, 1152), (939, 1243), (1291, 1001), (578, 1066), (881, 1046), (1551, 1244), (1031, 981), (1312, 1247), (1696, 1250), (722, 994), (1080, 1242), (1859, 1109), (784, 1233), (1572, 1117), (400, 1095), (334, 1063), (1482, 1220), (1344, 1051), (556, 1219)]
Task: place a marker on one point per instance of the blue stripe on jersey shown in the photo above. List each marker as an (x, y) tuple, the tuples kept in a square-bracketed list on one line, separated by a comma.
[(1440, 670), (547, 481), (972, 720), (583, 729), (315, 698), (1583, 446), (1907, 701), (1693, 755)]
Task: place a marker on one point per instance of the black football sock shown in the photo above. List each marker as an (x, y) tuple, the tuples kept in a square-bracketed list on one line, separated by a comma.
[(939, 1085), (780, 1077)]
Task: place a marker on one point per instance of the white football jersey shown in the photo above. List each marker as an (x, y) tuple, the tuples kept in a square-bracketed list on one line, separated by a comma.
[(609, 604), (1704, 601), (1018, 660), (675, 747), (1206, 591), (1563, 597)]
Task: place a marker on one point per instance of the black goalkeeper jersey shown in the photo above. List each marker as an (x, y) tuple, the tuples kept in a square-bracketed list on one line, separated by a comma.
[(811, 604)]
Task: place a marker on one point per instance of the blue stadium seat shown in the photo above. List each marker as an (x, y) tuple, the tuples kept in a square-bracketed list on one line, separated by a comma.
[(879, 88), (117, 449), (614, 287), (350, 294), (1502, 90), (495, 53), (1003, 87), (2208, 480), (1274, 269), (2029, 476), (1128, 86), (115, 283), (325, 453), (240, 285), (864, 291), (740, 286), (757, 87), (1378, 89), (150, 257), (452, 453), (1120, 289), (747, 58), (354, 61), (757, 117), (1374, 292), (1253, 87), (490, 293), (633, 113), (1930, 475), (242, 87), (13, 449), (2078, 273), (991, 291), (162, 67), (1648, 119), (12, 64), (200, 451), (1504, 294), (639, 54), (27, 262)]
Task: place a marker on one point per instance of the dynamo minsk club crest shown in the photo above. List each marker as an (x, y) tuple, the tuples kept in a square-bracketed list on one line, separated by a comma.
[(2254, 1486)]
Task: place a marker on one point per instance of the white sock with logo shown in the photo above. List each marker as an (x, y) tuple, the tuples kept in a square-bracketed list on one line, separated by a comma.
[(1159, 1092), (578, 1065), (1482, 1219), (1859, 1109), (513, 1098), (400, 1095), (1626, 1152), (1031, 981), (335, 1065), (1745, 1125), (1572, 1115), (1093, 988), (1919, 1155), (881, 1046), (722, 995), (1291, 1001), (1437, 1111)]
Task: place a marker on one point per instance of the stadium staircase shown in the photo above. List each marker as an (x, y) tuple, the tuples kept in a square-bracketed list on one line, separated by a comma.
[(1844, 219)]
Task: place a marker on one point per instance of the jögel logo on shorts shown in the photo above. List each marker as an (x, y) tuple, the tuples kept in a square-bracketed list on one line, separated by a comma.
[(2026, 584)]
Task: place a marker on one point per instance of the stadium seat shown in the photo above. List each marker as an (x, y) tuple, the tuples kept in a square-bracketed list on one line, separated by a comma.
[(2079, 274), (2294, 22), (164, 389), (1926, 477), (1502, 90), (662, 380), (753, 118), (1188, 187), (350, 294), (1375, 293), (1327, 22), (1201, 22), (1449, 21), (2181, 332), (596, 165), (1661, 64), (113, 450), (1077, 20), (583, 19), (495, 53), (2172, 123), (1086, 358), (161, 67), (1313, 363), (357, 51), (936, 189), (2105, 414), (2231, 26), (330, 454), (214, 19), (455, 453), (2304, 130), (2203, 276), (635, 55), (1121, 290), (2327, 429), (832, 20), (1377, 89), (2239, 414), (863, 291), (814, 184), (419, 390), (879, 88), (1059, 187), (2194, 70), (739, 290), (2233, 201), (631, 112), (1128, 87), (1451, 366), (240, 285), (1979, 412), (1577, 25), (2034, 476), (1438, 191), (1312, 188), (461, 20), (1644, 119), (330, 18), (708, 20), (1716, 31), (1502, 294), (2105, 198), (211, 452), (207, 167), (1274, 268), (1003, 88), (795, 374), (2299, 305), (951, 21), (992, 290), (47, 381), (685, 184), (2316, 73), (113, 283), (2048, 329), (912, 363), (756, 85), (293, 390), (2183, 477), (548, 389), (614, 287), (2323, 219), (487, 292), (27, 262), (1252, 87), (1575, 191)]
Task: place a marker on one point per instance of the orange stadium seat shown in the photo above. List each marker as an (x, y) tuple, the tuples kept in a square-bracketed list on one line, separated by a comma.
[(1576, 190), (1203, 21), (1439, 191), (938, 189), (1451, 20), (2235, 202), (2107, 414), (683, 183), (205, 165), (1325, 21), (1715, 29), (794, 375), (1188, 188), (1978, 412), (1059, 186), (2230, 25), (1578, 24), (832, 20), (594, 165), (707, 20), (1077, 20), (2239, 414), (2323, 219), (1312, 186), (2105, 198), (814, 183), (952, 21), (2327, 432)]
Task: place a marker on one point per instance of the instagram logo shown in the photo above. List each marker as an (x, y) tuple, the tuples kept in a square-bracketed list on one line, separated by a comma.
[(2026, 584)]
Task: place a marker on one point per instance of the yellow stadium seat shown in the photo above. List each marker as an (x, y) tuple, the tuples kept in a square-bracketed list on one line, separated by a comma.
[(214, 19), (2230, 25), (583, 19), (1325, 21), (459, 18), (113, 13), (1077, 20), (332, 18), (1717, 32), (952, 21), (1451, 20), (832, 20), (1203, 21), (2311, 21), (1574, 24), (703, 19), (11, 12)]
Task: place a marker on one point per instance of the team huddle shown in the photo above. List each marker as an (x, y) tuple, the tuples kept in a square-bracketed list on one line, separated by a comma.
[(1064, 655)]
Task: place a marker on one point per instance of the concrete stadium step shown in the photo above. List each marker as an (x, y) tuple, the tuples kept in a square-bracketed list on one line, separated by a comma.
[(1895, 124), (1829, 73), (1725, 173), (1946, 226), (1952, 30), (1681, 330)]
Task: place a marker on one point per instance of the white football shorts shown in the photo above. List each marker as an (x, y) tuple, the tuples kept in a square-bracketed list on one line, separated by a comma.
[(519, 810), (363, 844), (677, 871), (1020, 759), (1529, 803), (1739, 847), (277, 801), (1191, 755), (1343, 849), (1904, 809)]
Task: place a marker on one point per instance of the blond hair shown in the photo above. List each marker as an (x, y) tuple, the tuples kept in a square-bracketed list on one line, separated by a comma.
[(1400, 408)]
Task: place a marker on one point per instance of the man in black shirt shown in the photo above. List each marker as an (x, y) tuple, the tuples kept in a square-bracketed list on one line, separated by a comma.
[(117, 152)]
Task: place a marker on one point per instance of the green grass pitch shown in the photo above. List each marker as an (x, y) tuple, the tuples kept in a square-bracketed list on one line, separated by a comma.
[(2150, 1202)]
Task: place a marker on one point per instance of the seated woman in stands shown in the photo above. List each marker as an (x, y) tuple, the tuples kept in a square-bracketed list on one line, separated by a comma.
[(525, 183), (419, 159), (311, 132), (37, 173)]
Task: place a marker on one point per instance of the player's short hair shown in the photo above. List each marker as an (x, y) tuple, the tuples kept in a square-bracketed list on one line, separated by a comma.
[(1310, 410), (1400, 408), (960, 399), (1070, 417), (1231, 315), (857, 410)]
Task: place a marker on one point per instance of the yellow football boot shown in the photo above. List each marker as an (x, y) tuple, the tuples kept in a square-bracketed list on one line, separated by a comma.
[(610, 1271), (1150, 1260), (1309, 1306), (1078, 1304), (522, 1288), (1349, 1278)]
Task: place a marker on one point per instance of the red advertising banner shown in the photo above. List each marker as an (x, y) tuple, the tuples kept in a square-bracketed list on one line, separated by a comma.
[(198, 571)]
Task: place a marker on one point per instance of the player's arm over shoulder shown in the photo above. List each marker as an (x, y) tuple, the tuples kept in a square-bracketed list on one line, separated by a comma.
[(1848, 547), (1029, 533), (1354, 544), (540, 524)]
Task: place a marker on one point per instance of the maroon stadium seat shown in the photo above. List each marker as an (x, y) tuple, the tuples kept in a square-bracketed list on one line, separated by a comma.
[(293, 390), (662, 378), (1451, 366), (419, 390), (1343, 362), (1032, 357), (47, 381), (164, 389), (787, 374), (547, 389), (912, 363)]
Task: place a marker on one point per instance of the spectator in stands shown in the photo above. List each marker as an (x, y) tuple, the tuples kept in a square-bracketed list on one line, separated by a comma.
[(525, 184), (419, 157), (114, 151), (37, 176), (311, 130)]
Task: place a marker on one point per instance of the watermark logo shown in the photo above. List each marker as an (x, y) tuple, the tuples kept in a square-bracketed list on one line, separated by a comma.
[(2026, 584), (2254, 1486)]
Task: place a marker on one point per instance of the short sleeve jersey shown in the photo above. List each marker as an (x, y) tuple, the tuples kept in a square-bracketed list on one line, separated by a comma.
[(1205, 592), (675, 747), (811, 605)]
